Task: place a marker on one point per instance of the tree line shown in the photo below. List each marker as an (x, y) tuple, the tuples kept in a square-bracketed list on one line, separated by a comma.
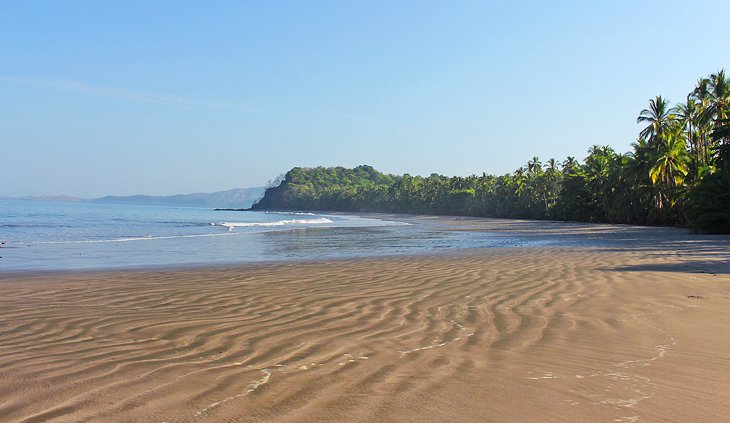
[(678, 174)]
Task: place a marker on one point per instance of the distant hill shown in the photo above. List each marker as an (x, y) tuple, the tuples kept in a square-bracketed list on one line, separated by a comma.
[(52, 198), (234, 198)]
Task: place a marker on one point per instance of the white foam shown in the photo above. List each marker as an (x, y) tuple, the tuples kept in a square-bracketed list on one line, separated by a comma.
[(287, 222), (291, 213)]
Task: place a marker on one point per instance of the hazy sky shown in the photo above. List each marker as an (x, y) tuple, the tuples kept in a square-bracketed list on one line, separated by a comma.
[(165, 97)]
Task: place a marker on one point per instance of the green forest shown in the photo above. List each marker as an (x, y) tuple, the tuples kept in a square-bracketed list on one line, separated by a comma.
[(678, 174)]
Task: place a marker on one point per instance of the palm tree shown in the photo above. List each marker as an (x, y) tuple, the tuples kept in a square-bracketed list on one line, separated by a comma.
[(658, 116), (597, 173), (703, 98), (719, 100), (551, 166), (549, 185), (519, 179), (720, 92), (621, 177), (687, 114), (702, 89), (570, 164), (670, 167), (534, 165)]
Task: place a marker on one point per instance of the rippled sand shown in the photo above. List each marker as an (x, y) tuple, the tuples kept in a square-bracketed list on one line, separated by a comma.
[(520, 334)]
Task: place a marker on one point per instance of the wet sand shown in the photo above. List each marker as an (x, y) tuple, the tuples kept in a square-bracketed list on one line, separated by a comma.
[(635, 331)]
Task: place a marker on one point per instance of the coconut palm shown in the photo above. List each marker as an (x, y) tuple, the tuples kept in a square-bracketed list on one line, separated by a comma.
[(658, 116), (519, 180), (671, 165), (687, 115), (551, 166), (701, 91), (719, 101), (534, 165), (703, 98), (720, 92), (548, 185), (597, 171), (570, 165)]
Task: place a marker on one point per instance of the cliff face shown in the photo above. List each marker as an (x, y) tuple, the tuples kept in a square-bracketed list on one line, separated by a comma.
[(274, 198)]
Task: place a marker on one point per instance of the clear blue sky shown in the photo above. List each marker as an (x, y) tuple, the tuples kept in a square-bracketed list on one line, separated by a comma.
[(165, 97)]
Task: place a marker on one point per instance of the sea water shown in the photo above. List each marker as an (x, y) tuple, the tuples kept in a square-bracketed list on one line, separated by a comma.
[(55, 235)]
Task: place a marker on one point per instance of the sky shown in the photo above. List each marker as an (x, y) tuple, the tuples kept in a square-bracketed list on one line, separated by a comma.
[(164, 97)]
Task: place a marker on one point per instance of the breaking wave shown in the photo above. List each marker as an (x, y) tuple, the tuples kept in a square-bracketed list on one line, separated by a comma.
[(287, 222)]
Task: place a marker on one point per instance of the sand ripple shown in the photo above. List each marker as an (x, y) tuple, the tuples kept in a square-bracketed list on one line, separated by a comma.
[(542, 334)]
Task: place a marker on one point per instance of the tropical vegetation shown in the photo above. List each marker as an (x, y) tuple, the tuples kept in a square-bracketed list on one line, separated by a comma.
[(677, 174)]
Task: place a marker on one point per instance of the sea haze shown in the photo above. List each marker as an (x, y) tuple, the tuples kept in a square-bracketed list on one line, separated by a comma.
[(233, 198), (56, 236)]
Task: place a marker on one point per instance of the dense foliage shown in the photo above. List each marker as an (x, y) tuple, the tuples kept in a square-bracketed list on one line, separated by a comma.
[(677, 174)]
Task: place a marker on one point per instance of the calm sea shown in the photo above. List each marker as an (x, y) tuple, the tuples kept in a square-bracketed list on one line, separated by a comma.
[(48, 236)]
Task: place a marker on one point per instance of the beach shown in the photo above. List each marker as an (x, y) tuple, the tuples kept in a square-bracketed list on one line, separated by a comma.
[(630, 330)]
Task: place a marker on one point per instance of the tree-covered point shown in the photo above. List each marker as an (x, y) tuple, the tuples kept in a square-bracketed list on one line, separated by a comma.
[(677, 174)]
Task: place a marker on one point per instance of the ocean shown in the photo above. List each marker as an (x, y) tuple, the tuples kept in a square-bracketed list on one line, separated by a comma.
[(64, 236)]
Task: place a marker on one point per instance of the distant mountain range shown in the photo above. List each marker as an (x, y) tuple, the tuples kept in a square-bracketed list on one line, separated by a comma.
[(62, 198), (234, 198)]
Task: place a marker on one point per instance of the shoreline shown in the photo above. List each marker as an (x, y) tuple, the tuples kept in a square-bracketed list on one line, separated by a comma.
[(243, 265), (259, 265), (581, 333), (498, 233)]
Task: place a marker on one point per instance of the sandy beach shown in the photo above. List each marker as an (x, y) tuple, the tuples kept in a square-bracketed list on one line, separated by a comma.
[(635, 330)]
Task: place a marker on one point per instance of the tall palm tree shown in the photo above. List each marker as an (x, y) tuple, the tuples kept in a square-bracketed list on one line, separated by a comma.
[(642, 160), (719, 100), (519, 179), (534, 165), (551, 166), (658, 116), (702, 95), (670, 167), (597, 172), (570, 164), (621, 177), (720, 92), (687, 114), (549, 185), (702, 89)]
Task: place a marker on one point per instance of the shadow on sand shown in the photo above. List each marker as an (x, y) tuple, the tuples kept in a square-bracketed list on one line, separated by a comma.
[(710, 267), (696, 253)]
